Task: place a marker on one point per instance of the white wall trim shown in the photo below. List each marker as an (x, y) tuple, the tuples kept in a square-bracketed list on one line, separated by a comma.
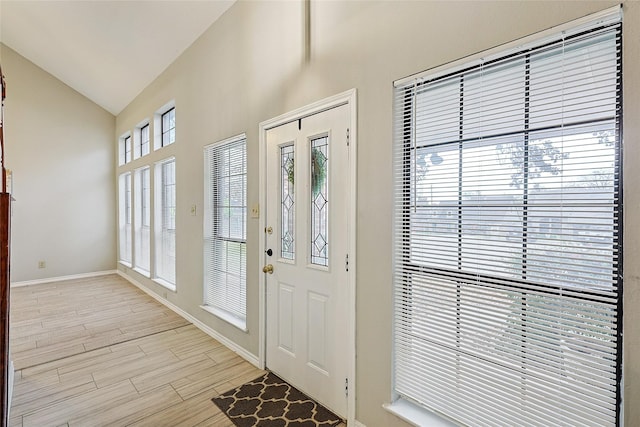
[(12, 374), (345, 98), (240, 351), (62, 278), (357, 423)]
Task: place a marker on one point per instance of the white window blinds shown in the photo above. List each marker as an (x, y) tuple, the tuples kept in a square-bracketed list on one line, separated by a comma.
[(125, 217), (142, 220), (507, 235), (225, 251), (165, 223)]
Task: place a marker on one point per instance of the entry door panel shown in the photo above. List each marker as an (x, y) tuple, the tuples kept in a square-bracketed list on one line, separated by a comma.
[(307, 229)]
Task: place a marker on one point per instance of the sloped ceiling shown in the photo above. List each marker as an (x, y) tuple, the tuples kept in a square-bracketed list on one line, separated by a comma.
[(107, 50)]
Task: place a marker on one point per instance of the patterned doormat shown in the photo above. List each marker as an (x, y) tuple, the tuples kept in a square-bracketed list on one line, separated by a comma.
[(268, 401)]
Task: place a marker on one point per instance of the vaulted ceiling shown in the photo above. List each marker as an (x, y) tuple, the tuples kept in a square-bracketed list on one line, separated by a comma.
[(107, 50)]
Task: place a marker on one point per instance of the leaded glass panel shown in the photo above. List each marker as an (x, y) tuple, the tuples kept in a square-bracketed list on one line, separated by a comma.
[(287, 202), (319, 201)]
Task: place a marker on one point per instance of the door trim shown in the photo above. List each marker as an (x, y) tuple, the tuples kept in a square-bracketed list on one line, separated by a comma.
[(344, 98)]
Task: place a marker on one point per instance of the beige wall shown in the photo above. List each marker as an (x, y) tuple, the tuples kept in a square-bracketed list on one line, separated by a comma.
[(60, 148), (248, 68)]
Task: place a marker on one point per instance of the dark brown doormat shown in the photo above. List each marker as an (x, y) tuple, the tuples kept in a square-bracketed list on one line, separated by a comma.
[(270, 402)]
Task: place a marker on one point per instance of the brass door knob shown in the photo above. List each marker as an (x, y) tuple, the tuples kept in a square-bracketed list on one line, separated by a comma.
[(268, 269)]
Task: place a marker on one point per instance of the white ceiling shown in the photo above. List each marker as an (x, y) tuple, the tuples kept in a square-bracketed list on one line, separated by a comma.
[(107, 50)]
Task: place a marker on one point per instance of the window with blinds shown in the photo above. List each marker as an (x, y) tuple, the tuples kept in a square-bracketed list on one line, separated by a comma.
[(165, 222), (507, 234), (124, 219), (142, 181), (225, 227)]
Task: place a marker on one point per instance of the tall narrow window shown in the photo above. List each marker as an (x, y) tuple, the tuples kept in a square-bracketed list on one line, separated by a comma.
[(225, 251), (142, 220), (144, 140), (507, 268), (124, 221), (165, 223), (168, 123)]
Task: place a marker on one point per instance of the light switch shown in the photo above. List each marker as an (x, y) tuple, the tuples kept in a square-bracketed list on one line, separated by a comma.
[(255, 211)]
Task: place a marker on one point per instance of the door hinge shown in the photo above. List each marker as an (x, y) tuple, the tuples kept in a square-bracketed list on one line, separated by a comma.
[(346, 262), (347, 137), (346, 387)]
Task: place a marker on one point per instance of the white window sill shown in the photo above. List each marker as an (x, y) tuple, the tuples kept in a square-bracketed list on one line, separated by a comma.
[(125, 263), (416, 415), (142, 271), (168, 285), (223, 315)]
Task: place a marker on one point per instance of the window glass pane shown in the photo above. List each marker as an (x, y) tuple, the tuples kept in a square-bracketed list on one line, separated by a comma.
[(572, 203), (439, 107), (491, 206), (492, 102), (142, 220), (574, 83), (434, 210), (319, 201), (168, 127), (166, 223), (144, 140), (127, 149), (146, 198), (287, 202), (124, 220)]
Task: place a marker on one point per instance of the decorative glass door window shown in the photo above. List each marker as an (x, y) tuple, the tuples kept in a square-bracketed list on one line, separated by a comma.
[(287, 202), (319, 201)]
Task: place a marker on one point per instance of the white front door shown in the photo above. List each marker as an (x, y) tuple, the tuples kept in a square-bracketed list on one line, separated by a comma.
[(306, 243)]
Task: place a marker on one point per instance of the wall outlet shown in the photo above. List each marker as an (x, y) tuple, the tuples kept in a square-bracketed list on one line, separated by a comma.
[(42, 264)]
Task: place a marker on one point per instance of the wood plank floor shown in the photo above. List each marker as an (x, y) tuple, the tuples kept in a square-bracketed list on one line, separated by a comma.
[(100, 352)]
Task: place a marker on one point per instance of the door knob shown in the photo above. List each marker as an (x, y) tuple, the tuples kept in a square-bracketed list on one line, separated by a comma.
[(268, 269)]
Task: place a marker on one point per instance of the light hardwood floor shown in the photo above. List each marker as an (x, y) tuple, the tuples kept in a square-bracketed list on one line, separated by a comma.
[(99, 352)]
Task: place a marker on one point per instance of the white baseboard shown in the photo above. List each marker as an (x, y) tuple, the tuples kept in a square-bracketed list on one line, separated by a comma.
[(240, 351), (62, 278), (358, 424)]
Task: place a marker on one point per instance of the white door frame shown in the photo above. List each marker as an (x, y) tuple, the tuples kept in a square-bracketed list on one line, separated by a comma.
[(344, 98)]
